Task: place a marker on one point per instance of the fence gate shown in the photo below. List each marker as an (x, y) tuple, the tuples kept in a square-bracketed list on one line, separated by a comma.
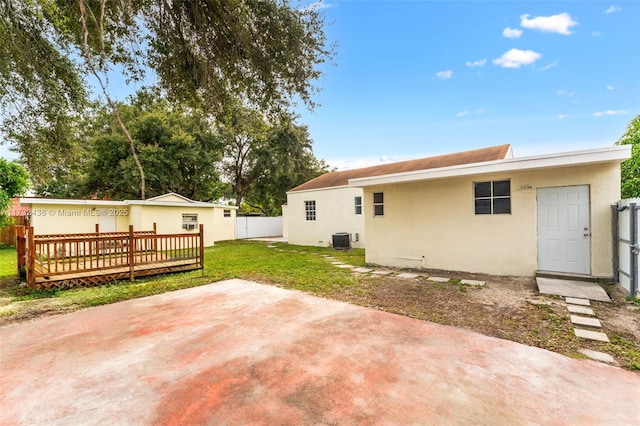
[(626, 244)]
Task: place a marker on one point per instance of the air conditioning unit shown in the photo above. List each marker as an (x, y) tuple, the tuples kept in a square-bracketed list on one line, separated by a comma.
[(341, 241), (189, 226)]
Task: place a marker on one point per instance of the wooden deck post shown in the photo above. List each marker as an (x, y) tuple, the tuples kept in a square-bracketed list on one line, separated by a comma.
[(155, 240), (202, 246), (132, 250), (31, 258), (98, 229), (21, 245)]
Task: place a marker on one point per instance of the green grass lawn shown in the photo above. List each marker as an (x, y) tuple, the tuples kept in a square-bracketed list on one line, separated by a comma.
[(295, 267)]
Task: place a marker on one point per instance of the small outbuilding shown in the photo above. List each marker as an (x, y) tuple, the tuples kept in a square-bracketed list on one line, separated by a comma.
[(171, 213)]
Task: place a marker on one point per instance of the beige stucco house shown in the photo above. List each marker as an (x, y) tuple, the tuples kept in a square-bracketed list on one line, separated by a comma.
[(172, 213), (327, 205), (477, 211)]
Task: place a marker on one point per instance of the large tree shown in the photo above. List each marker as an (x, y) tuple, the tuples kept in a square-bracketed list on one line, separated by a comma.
[(263, 159), (177, 147), (14, 180), (292, 163), (631, 168), (203, 52)]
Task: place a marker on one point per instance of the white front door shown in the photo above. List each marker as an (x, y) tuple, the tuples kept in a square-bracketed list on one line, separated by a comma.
[(564, 232)]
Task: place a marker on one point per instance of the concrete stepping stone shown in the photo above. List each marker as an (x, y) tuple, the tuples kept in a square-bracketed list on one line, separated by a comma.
[(473, 282), (331, 258), (591, 335), (362, 270), (345, 266), (337, 263), (271, 246), (381, 272), (407, 275), (598, 356), (438, 279), (580, 310), (576, 301), (590, 322)]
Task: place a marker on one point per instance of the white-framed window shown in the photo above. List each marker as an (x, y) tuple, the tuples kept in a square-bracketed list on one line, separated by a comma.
[(358, 205), (227, 213), (310, 210), (378, 204), (492, 197), (189, 220)]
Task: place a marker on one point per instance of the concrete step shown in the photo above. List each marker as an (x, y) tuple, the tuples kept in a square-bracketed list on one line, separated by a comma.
[(591, 335)]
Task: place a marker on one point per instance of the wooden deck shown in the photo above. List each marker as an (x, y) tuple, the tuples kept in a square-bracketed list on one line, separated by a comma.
[(64, 261)]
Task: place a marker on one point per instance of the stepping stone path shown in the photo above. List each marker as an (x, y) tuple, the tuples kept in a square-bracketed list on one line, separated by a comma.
[(381, 272), (362, 270), (438, 279), (582, 306), (473, 282), (407, 275)]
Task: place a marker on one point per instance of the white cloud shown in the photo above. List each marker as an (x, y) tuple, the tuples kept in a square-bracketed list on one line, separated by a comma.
[(320, 4), (610, 87), (559, 23), (563, 92), (549, 66), (511, 32), (474, 64), (444, 75), (562, 116), (596, 33), (462, 113), (612, 9), (480, 111), (609, 113), (515, 58)]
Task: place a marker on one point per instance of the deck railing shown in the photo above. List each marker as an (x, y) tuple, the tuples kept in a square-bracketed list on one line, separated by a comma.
[(63, 254)]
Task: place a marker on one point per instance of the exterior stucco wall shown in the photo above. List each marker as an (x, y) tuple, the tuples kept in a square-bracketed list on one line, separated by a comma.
[(168, 220), (49, 219), (285, 222), (335, 212), (432, 224)]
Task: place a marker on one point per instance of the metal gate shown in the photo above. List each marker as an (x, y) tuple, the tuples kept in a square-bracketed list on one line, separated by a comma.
[(626, 244)]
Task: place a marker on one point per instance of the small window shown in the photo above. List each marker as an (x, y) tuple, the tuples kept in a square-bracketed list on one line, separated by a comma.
[(492, 197), (189, 221), (378, 204), (358, 205), (310, 210), (227, 213)]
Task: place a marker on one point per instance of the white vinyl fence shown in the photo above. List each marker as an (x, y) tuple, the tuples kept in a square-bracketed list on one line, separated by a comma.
[(626, 244), (258, 227)]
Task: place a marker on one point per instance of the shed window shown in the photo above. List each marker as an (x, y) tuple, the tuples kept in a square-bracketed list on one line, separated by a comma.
[(310, 210), (227, 213), (493, 197), (358, 205), (378, 203), (189, 221)]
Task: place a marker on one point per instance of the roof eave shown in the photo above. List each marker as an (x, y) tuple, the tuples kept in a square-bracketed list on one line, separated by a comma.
[(616, 154)]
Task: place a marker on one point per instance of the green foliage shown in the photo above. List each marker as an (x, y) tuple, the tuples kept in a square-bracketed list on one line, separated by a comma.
[(263, 159), (631, 168), (177, 148), (14, 181)]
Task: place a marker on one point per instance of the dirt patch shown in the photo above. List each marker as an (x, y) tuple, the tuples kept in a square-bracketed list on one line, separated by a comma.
[(506, 307)]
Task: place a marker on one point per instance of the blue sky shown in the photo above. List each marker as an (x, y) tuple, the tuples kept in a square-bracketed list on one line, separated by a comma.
[(418, 78)]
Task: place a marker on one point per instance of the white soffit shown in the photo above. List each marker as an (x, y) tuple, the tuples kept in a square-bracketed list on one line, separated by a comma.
[(615, 154)]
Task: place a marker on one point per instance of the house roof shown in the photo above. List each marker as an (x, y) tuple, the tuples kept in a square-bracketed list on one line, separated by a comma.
[(341, 178), (155, 201), (613, 154)]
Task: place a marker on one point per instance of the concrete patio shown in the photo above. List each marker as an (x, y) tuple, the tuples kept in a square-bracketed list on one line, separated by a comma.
[(238, 352)]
